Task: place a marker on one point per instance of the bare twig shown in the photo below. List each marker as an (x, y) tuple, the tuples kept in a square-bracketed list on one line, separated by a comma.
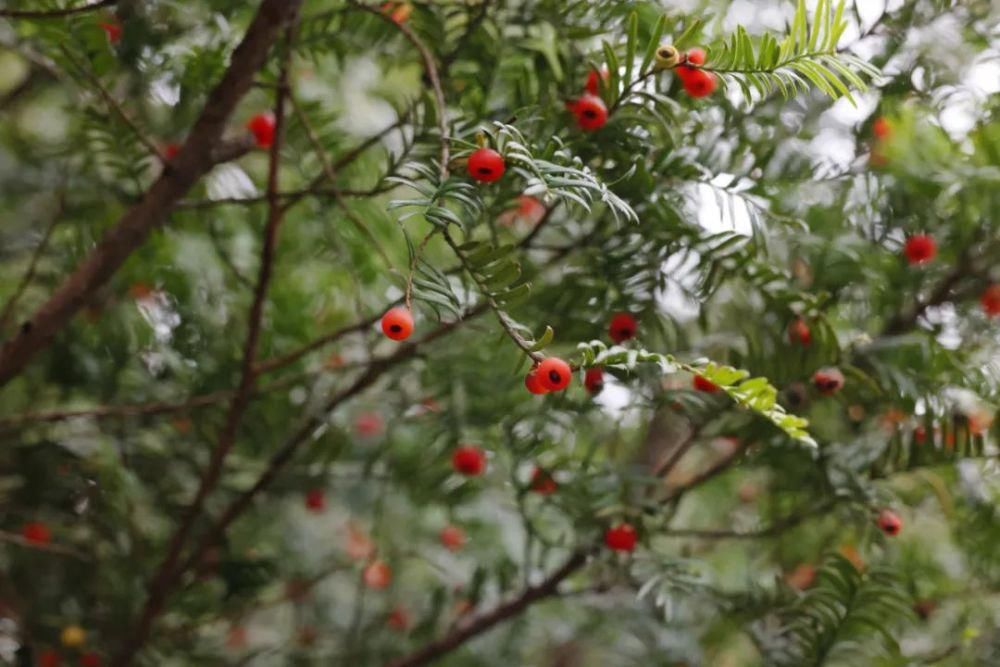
[(193, 161), (167, 575), (54, 13)]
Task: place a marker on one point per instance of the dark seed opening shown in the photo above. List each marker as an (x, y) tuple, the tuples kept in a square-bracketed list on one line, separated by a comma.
[(485, 171), (395, 328), (625, 333), (555, 377), (590, 113)]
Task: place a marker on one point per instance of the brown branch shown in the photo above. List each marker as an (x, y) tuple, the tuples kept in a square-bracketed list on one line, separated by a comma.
[(54, 13), (477, 626), (193, 161), (707, 474), (29, 274), (284, 455), (166, 576)]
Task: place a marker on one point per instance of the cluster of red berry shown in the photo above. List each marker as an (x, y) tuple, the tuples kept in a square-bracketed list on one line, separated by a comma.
[(697, 81)]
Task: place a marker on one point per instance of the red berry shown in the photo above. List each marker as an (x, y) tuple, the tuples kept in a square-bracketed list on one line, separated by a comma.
[(315, 500), (622, 327), (36, 532), (49, 658), (469, 460), (707, 386), (889, 522), (399, 12), (591, 113), (554, 374), (453, 538), (699, 83), (171, 150), (90, 660), (486, 165), (920, 435), (828, 380), (920, 248), (881, 128), (798, 332), (399, 619), (593, 83), (696, 56), (621, 537), (991, 300), (262, 128), (368, 424), (593, 380), (377, 574), (113, 29), (397, 323), (533, 384), (542, 482)]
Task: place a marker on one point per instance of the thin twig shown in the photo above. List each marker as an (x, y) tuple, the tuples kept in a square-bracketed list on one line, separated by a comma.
[(113, 104), (29, 274), (54, 13), (779, 526), (167, 574), (432, 74), (331, 175), (480, 624)]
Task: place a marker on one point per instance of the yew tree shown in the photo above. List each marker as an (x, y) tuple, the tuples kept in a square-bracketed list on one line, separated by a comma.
[(499, 332)]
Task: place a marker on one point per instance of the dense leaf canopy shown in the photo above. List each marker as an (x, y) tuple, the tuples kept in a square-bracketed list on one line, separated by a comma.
[(782, 454)]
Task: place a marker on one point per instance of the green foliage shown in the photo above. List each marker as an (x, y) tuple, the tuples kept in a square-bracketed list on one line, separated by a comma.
[(721, 224)]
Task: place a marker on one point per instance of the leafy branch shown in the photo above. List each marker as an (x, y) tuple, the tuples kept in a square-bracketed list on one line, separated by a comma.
[(756, 394)]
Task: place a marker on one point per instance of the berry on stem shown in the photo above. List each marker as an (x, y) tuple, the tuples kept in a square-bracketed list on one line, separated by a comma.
[(262, 128), (889, 522), (486, 165), (171, 150), (702, 384), (798, 332), (533, 383), (453, 538), (554, 374), (593, 380), (990, 300), (621, 537), (594, 77), (469, 460), (828, 380), (36, 532), (397, 323), (315, 500), (920, 248), (695, 56), (377, 574), (622, 327), (399, 12), (542, 482), (591, 113)]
